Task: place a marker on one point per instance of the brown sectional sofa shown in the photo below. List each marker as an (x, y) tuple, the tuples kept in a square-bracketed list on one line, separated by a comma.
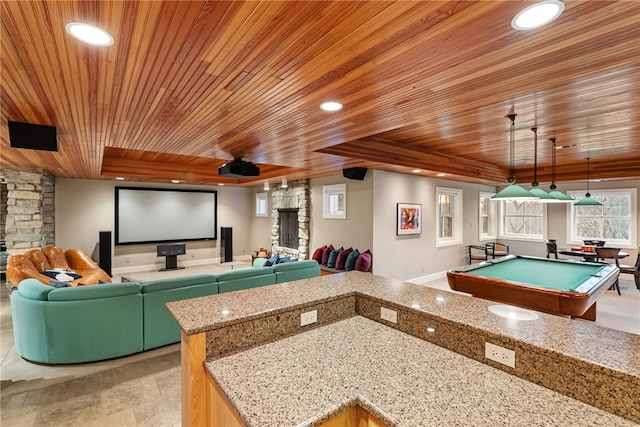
[(33, 263)]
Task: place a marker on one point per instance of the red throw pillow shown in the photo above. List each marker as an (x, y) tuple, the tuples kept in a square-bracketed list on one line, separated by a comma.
[(363, 262), (342, 258), (317, 255), (325, 254)]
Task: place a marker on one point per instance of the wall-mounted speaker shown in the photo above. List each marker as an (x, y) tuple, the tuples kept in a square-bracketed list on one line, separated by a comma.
[(34, 137), (354, 173)]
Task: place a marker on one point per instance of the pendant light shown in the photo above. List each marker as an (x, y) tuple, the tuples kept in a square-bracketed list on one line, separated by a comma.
[(557, 195), (535, 190), (513, 191), (587, 200)]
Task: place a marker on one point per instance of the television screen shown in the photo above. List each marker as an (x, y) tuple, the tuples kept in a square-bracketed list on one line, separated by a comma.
[(156, 215)]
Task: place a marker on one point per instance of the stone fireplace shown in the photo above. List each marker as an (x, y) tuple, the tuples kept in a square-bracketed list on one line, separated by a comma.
[(294, 201)]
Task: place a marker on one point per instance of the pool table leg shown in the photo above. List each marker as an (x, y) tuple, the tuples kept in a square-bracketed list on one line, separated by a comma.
[(590, 314)]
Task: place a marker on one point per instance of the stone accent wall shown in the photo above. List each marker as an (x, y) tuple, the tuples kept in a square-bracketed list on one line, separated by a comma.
[(297, 196), (30, 209)]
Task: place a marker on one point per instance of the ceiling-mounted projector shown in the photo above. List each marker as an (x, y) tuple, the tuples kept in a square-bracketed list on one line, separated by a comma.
[(238, 168)]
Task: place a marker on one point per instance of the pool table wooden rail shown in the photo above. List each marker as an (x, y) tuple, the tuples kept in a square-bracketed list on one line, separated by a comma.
[(579, 303)]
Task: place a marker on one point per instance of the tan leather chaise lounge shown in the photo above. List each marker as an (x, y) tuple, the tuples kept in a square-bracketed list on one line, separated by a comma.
[(36, 261)]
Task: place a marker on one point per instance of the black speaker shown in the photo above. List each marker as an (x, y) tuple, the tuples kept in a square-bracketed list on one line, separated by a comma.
[(354, 173), (104, 252), (34, 137), (170, 250), (226, 244)]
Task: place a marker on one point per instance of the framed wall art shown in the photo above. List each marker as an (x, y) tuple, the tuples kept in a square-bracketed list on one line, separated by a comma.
[(409, 219)]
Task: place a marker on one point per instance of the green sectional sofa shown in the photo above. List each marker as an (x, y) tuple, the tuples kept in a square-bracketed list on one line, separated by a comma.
[(76, 324), (98, 322)]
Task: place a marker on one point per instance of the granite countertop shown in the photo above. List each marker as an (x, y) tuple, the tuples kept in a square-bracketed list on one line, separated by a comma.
[(398, 378), (552, 334)]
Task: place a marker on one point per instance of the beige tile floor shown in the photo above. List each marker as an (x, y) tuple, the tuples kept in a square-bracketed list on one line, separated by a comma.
[(144, 389)]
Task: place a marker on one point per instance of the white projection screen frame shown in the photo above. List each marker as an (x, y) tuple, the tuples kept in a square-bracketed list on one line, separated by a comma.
[(157, 215)]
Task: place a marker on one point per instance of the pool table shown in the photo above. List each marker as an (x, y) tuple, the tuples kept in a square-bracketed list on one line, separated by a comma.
[(561, 287)]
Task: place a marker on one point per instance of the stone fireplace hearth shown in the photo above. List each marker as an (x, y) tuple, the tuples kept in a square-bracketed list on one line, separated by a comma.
[(296, 196)]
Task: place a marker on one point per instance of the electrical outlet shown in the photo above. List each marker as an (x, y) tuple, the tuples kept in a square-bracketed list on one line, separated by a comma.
[(127, 260), (308, 318), (500, 354), (389, 315)]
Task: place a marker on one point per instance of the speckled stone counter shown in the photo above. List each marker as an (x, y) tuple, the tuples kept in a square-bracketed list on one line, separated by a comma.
[(595, 365), (306, 379)]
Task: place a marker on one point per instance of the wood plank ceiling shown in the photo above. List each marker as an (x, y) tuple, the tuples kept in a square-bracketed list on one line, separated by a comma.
[(426, 85)]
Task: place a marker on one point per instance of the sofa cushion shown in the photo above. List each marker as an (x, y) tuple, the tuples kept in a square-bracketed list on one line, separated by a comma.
[(56, 257), (94, 292), (342, 258), (331, 261), (34, 289), (350, 263), (243, 273), (363, 263), (325, 254), (39, 259), (259, 262), (177, 282), (317, 254)]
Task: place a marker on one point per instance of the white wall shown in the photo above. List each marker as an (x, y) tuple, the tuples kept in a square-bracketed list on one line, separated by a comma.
[(410, 256), (260, 236), (86, 207), (356, 230)]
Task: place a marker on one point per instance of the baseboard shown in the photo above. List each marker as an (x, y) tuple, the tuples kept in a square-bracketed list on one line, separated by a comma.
[(186, 263), (428, 278)]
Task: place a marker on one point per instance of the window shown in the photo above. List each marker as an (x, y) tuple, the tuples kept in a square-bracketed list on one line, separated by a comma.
[(523, 220), (614, 222), (261, 204), (449, 214), (487, 217), (334, 201)]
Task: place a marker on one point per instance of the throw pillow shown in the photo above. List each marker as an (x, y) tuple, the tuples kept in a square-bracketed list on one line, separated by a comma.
[(342, 258), (363, 263), (325, 254), (331, 261), (272, 261), (350, 263), (317, 254), (61, 275)]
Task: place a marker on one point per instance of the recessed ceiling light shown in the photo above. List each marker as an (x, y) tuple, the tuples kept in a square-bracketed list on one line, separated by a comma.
[(441, 174), (537, 15), (416, 171), (89, 34), (221, 184), (119, 178), (175, 181), (331, 106)]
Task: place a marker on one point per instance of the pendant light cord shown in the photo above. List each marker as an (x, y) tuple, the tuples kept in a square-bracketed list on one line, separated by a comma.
[(553, 164), (535, 157), (512, 147)]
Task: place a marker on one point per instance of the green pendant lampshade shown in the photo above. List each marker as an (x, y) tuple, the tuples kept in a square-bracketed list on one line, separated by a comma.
[(587, 200), (513, 190), (559, 197)]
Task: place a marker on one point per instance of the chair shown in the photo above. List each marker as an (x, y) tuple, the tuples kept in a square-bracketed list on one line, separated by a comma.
[(478, 253), (632, 269), (552, 248), (609, 253), (496, 250)]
